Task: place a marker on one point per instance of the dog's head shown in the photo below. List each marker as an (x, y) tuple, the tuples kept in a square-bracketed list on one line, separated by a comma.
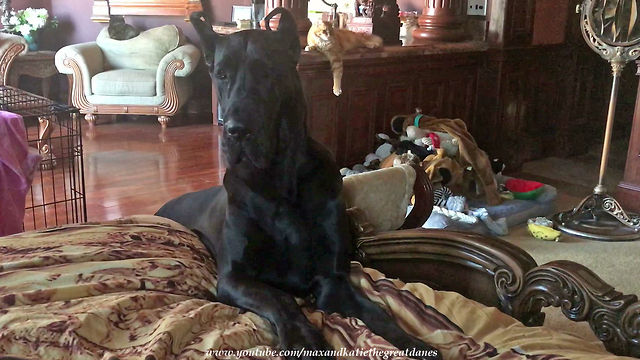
[(259, 90)]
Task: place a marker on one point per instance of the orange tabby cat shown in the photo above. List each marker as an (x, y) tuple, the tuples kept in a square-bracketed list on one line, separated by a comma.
[(333, 43)]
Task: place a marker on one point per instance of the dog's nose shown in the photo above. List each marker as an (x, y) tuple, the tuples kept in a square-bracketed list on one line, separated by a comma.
[(235, 130)]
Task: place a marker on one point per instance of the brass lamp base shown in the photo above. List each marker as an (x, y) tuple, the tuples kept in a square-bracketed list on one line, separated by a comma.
[(599, 217)]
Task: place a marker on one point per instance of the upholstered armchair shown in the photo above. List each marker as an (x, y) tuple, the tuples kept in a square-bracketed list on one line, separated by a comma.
[(10, 47), (146, 75)]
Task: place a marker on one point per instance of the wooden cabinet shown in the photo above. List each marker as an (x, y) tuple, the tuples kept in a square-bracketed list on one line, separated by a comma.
[(376, 90), (511, 23), (628, 191), (533, 94)]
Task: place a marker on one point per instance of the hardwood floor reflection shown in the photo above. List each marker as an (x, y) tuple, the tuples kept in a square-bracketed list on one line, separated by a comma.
[(130, 170)]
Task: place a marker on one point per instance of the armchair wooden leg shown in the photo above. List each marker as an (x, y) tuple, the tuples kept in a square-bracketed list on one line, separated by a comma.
[(163, 120), (91, 119)]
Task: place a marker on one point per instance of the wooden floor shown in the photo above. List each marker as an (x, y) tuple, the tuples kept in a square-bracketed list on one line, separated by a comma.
[(131, 168)]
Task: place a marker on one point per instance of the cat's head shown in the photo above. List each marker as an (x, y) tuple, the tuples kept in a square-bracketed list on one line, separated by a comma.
[(116, 19), (323, 29)]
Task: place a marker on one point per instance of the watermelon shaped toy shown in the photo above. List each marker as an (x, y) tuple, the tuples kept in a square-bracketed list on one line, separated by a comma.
[(524, 189)]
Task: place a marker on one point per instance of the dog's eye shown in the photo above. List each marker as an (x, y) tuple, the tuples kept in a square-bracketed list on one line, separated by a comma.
[(221, 75)]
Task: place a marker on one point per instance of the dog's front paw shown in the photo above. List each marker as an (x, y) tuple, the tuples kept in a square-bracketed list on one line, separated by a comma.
[(304, 341), (337, 91)]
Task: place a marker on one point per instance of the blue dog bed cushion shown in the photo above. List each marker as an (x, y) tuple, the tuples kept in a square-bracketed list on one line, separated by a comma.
[(514, 211)]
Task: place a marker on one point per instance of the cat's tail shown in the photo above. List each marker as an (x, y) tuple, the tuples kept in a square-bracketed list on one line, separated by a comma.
[(372, 41)]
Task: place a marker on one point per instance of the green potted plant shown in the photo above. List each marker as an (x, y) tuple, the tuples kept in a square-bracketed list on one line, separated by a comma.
[(29, 23)]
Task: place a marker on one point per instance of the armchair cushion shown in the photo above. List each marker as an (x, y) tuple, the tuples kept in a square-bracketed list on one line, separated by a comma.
[(383, 195), (124, 82), (144, 52)]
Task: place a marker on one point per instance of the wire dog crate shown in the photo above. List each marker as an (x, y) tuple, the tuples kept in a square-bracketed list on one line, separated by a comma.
[(57, 195)]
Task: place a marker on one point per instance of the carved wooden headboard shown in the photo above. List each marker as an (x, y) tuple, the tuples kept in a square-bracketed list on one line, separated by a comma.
[(144, 7)]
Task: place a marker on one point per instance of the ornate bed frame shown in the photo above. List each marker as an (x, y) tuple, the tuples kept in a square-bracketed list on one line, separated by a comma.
[(496, 273)]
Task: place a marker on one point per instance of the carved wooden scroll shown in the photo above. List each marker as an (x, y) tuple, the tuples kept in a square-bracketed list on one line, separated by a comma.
[(144, 7)]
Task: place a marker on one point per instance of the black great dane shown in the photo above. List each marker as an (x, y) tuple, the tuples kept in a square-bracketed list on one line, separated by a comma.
[(278, 227)]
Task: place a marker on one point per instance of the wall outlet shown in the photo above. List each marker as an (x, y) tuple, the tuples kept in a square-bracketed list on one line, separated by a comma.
[(477, 7)]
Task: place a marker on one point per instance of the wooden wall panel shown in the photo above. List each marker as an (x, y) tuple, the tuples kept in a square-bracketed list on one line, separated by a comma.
[(549, 25), (358, 124), (321, 124), (521, 14), (397, 99), (432, 93), (461, 98)]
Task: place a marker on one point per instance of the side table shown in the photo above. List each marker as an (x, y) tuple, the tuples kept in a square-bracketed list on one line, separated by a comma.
[(38, 64)]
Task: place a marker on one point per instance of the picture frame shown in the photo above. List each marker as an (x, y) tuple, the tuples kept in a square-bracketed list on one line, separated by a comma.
[(239, 12), (182, 8)]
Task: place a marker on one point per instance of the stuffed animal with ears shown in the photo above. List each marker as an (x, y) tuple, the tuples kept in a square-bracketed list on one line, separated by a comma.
[(398, 122), (443, 169), (436, 140), (400, 147), (473, 184), (407, 158)]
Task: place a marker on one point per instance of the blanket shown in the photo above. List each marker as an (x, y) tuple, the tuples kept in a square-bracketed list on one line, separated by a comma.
[(145, 288), (18, 164)]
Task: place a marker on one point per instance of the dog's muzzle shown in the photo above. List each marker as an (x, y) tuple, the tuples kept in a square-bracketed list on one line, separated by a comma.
[(235, 130)]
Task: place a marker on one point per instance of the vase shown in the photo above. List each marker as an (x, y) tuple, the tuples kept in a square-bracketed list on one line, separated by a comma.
[(32, 41)]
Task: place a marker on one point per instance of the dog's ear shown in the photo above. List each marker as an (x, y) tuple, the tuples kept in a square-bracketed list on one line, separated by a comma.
[(288, 27), (208, 37)]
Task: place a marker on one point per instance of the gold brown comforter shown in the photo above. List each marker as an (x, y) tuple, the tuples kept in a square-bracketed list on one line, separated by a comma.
[(144, 288)]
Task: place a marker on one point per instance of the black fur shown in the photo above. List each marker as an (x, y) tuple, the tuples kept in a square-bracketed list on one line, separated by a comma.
[(120, 30), (278, 228)]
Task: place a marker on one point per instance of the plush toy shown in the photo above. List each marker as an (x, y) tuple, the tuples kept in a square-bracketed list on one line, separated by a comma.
[(457, 203), (435, 164), (359, 169), (400, 147), (440, 196), (372, 160), (469, 154), (436, 139), (497, 166), (398, 122), (408, 158)]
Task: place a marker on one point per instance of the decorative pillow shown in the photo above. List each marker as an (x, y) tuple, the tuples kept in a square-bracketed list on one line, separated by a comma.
[(143, 52), (383, 195)]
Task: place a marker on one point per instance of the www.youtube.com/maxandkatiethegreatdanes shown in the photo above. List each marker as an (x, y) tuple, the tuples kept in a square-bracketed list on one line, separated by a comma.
[(372, 353)]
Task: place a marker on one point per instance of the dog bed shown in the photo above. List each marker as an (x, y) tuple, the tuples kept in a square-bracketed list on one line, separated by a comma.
[(144, 288), (515, 212)]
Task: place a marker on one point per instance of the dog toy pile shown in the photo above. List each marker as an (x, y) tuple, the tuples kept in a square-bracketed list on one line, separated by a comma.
[(454, 164)]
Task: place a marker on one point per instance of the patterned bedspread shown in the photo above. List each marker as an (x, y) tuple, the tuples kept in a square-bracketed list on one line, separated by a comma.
[(144, 288)]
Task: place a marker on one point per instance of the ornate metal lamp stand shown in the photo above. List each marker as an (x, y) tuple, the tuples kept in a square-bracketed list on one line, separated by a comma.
[(612, 29)]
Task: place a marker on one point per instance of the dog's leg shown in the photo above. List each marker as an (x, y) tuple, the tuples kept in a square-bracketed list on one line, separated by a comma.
[(279, 308), (336, 295)]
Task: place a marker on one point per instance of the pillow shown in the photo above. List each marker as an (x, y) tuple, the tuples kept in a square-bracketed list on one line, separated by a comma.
[(383, 195), (143, 52)]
